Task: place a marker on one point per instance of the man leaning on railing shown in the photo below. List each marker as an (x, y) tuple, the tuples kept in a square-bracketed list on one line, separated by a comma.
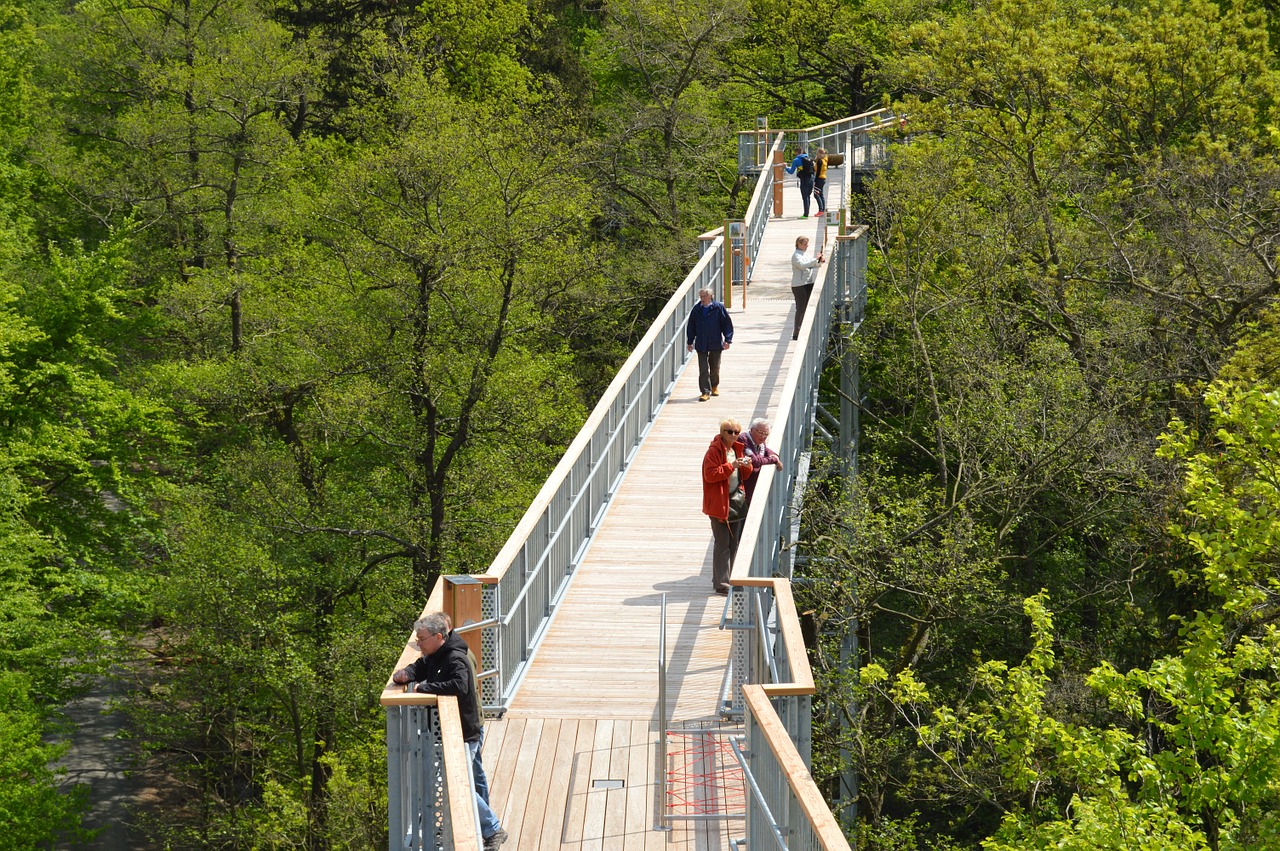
[(447, 667)]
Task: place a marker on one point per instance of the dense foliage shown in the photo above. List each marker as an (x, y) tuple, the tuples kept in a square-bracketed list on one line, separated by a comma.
[(284, 289), (298, 306), (1075, 239)]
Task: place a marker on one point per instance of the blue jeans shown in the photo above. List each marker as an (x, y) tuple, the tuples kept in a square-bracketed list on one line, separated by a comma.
[(477, 767), (489, 824)]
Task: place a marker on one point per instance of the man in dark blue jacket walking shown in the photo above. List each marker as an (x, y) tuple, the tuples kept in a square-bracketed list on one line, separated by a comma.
[(710, 331)]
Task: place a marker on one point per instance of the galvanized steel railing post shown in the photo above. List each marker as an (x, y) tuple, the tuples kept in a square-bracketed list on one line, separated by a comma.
[(395, 781), (661, 822)]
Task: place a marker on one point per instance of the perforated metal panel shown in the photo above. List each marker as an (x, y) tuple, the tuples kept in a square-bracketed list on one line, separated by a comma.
[(491, 688), (743, 641), (415, 781)]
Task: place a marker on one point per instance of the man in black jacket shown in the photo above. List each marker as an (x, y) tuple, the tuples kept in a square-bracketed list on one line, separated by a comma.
[(447, 667)]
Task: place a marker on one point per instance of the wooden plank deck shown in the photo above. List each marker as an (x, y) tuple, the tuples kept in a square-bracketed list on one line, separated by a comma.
[(586, 710)]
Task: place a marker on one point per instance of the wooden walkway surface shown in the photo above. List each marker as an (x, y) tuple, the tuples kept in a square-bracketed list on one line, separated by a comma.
[(586, 711)]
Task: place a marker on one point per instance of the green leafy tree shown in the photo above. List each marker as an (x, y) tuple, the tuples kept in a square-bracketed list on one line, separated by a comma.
[(276, 640), (472, 50), (1076, 124), (805, 63), (76, 479), (76, 453), (394, 412), (184, 116), (33, 811), (1064, 243), (658, 69), (1182, 752), (466, 316)]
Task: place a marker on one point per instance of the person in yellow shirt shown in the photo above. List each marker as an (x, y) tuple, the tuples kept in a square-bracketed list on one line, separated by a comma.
[(820, 180)]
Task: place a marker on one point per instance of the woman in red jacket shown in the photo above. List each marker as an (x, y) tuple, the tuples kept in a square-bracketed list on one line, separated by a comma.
[(724, 471)]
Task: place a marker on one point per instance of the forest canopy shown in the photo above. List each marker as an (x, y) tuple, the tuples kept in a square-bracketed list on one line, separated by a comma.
[(279, 283)]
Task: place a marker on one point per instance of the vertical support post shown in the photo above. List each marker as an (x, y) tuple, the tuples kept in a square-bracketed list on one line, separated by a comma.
[(726, 273), (746, 651), (850, 274), (778, 174), (849, 393), (661, 822), (737, 262), (395, 780), (847, 791), (464, 604), (853, 251)]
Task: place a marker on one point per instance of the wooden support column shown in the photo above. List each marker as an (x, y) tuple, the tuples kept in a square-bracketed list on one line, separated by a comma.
[(464, 604), (777, 184)]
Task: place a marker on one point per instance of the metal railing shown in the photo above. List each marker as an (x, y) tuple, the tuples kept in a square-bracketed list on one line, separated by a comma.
[(768, 656), (861, 138), (527, 579), (430, 790), (760, 206), (785, 810), (769, 519), (530, 574), (755, 147)]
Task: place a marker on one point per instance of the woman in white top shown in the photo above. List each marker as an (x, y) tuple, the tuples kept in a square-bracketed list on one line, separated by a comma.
[(802, 266)]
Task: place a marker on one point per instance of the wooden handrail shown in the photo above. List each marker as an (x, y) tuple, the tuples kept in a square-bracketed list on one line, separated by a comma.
[(817, 128), (459, 791), (391, 692), (793, 638), (798, 777), (502, 561)]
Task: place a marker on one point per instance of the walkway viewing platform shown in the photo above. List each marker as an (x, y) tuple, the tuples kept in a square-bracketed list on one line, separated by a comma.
[(602, 602), (588, 705)]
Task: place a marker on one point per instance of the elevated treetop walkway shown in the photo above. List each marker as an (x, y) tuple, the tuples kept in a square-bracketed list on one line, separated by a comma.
[(630, 707)]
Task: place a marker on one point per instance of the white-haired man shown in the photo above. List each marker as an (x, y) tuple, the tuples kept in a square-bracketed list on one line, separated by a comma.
[(446, 667)]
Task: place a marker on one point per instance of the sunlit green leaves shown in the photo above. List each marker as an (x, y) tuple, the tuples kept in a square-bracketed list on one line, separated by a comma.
[(1233, 495), (33, 812), (1211, 772)]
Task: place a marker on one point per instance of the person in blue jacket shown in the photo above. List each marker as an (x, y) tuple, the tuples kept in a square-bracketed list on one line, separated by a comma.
[(710, 331), (802, 166)]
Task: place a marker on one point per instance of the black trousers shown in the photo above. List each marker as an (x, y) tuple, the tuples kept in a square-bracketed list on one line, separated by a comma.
[(801, 295), (820, 193)]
